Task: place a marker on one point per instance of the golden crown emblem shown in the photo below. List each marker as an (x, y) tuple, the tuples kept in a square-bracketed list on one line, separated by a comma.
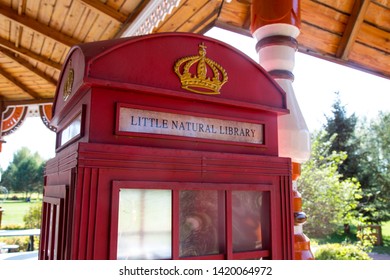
[(192, 71)]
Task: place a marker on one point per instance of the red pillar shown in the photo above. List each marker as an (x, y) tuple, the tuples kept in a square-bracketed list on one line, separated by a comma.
[(278, 11), (275, 25)]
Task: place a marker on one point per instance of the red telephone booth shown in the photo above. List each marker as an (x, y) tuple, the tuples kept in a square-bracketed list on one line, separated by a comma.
[(166, 149)]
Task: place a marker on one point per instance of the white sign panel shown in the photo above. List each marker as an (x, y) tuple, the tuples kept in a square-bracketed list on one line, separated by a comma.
[(144, 121)]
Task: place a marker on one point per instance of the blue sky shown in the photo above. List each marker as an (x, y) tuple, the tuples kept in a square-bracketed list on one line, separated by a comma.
[(315, 83)]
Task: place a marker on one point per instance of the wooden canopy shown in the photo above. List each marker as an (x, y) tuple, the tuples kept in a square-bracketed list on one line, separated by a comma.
[(35, 36)]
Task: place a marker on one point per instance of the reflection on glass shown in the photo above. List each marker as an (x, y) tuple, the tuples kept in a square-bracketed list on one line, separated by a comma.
[(247, 220), (71, 131), (144, 224), (201, 223)]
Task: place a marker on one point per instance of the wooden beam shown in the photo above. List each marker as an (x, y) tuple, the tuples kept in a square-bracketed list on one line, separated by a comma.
[(376, 72), (26, 52), (351, 30), (27, 102), (107, 10), (233, 28), (19, 84), (208, 19), (38, 27), (27, 65), (193, 16)]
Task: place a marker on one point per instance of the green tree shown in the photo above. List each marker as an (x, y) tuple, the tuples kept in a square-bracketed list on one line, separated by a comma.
[(25, 173), (330, 200), (374, 168), (341, 128)]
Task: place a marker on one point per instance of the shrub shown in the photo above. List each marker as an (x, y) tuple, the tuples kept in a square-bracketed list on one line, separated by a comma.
[(33, 217), (12, 227), (22, 241), (337, 251), (367, 238)]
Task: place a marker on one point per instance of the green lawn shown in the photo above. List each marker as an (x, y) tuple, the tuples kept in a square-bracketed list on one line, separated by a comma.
[(14, 211), (386, 229), (385, 249)]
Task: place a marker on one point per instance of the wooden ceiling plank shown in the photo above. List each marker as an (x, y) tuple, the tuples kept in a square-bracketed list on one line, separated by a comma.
[(19, 28), (18, 84), (232, 28), (27, 65), (19, 33), (37, 26), (235, 13), (32, 9), (48, 47), (199, 19), (180, 15), (45, 11), (102, 30), (7, 88), (351, 30), (204, 26), (325, 17), (370, 60), (325, 42), (58, 55), (350, 63), (375, 38), (378, 16), (37, 43), (383, 3), (126, 7), (209, 17), (21, 7), (105, 9), (117, 5), (343, 6), (14, 96), (85, 24), (23, 51), (60, 16), (76, 11)]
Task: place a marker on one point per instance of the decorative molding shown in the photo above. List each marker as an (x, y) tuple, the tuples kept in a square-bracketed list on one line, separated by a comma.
[(45, 112), (150, 17), (277, 40), (282, 74), (13, 118)]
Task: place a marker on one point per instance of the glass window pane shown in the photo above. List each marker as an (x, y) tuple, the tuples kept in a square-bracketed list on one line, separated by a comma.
[(202, 223), (249, 220), (71, 131), (144, 224)]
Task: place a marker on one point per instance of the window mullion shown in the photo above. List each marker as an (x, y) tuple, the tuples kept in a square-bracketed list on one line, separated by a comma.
[(175, 225), (229, 227)]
